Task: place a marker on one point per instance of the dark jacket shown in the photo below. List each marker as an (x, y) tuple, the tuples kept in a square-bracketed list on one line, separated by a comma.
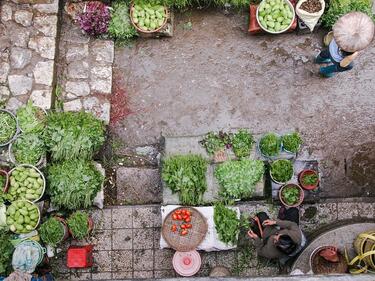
[(266, 247)]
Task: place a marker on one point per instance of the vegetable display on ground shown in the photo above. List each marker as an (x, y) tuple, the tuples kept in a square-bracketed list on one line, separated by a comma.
[(73, 184), (71, 135), (148, 17), (183, 222), (31, 118), (291, 194), (227, 224), (6, 250), (282, 170), (22, 216), (25, 183), (269, 145), (242, 143), (8, 127), (213, 142), (275, 15), (28, 149), (186, 175), (120, 27), (292, 142), (237, 179), (52, 231), (78, 224)]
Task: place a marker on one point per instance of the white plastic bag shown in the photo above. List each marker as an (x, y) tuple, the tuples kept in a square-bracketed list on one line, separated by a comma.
[(310, 19)]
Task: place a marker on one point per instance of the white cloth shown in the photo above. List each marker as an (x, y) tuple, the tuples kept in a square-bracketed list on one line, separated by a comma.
[(211, 242), (310, 19)]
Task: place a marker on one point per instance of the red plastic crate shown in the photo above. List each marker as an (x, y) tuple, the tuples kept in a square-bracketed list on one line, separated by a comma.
[(80, 256)]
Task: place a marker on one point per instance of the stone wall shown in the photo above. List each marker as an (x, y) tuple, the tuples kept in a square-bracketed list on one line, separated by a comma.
[(27, 52)]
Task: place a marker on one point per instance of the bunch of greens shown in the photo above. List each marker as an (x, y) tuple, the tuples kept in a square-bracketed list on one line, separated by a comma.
[(31, 118), (8, 127), (291, 195), (242, 143), (227, 224), (270, 144), (238, 178), (6, 250), (78, 224), (309, 179), (213, 142), (52, 231), (28, 149), (120, 27), (186, 174), (72, 135), (282, 170), (338, 8), (73, 184), (292, 142)]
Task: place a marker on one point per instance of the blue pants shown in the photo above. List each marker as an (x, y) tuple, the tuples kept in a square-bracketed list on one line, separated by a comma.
[(329, 71)]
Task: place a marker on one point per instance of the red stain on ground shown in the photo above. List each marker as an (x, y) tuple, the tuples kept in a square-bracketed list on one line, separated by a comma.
[(119, 103)]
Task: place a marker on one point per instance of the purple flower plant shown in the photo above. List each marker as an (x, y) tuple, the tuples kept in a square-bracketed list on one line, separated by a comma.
[(95, 18)]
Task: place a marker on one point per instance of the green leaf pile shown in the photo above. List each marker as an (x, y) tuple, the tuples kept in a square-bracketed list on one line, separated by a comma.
[(28, 148), (213, 142), (52, 231), (71, 135), (291, 195), (8, 127), (292, 142), (270, 144), (31, 118), (242, 143), (186, 174), (237, 179), (73, 184), (120, 26), (227, 224), (78, 225), (6, 250), (282, 170)]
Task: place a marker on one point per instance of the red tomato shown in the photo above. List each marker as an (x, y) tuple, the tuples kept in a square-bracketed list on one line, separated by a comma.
[(175, 217), (179, 217), (184, 232), (188, 213), (188, 225), (174, 228), (188, 219), (178, 212), (183, 212), (185, 217), (183, 226)]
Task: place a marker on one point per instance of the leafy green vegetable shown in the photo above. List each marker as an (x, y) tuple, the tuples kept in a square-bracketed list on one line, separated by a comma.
[(227, 224), (238, 178), (292, 142), (213, 142), (6, 250), (186, 174), (52, 231), (73, 184), (3, 180), (28, 148), (78, 223), (291, 195), (120, 26), (338, 8), (242, 143), (309, 179), (270, 144), (31, 118), (8, 127), (282, 170), (71, 135)]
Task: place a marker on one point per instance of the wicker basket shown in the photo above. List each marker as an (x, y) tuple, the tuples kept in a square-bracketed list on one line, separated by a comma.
[(190, 241), (148, 31), (319, 265)]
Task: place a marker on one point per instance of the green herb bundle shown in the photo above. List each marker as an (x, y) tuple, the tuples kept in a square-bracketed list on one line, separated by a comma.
[(242, 143), (73, 184), (8, 127), (291, 195), (78, 224), (31, 118), (309, 179), (6, 250), (28, 148), (186, 174), (213, 142), (71, 135), (237, 179), (227, 224), (282, 170), (270, 144), (292, 142), (52, 231), (120, 26)]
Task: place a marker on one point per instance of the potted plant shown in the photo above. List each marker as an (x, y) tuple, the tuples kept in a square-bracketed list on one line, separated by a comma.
[(291, 142), (28, 148), (80, 225), (4, 179), (291, 195), (31, 118), (308, 179), (270, 145), (53, 231), (281, 171), (8, 128), (242, 143)]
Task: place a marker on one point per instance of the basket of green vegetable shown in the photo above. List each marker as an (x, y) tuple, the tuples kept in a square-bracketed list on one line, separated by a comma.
[(4, 179), (31, 118), (23, 216), (281, 171), (269, 146), (275, 16), (9, 127), (291, 195), (28, 148), (148, 18), (53, 231), (80, 225), (291, 142), (26, 182)]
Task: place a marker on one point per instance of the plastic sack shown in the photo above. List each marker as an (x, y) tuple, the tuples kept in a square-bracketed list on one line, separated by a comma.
[(27, 255), (310, 19)]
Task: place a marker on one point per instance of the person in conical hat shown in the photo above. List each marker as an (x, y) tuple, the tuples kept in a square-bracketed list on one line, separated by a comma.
[(352, 33)]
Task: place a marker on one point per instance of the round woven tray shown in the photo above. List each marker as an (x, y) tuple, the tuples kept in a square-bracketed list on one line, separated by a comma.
[(190, 241)]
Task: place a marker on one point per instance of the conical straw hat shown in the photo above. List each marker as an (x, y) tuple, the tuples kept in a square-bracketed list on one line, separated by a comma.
[(354, 31)]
